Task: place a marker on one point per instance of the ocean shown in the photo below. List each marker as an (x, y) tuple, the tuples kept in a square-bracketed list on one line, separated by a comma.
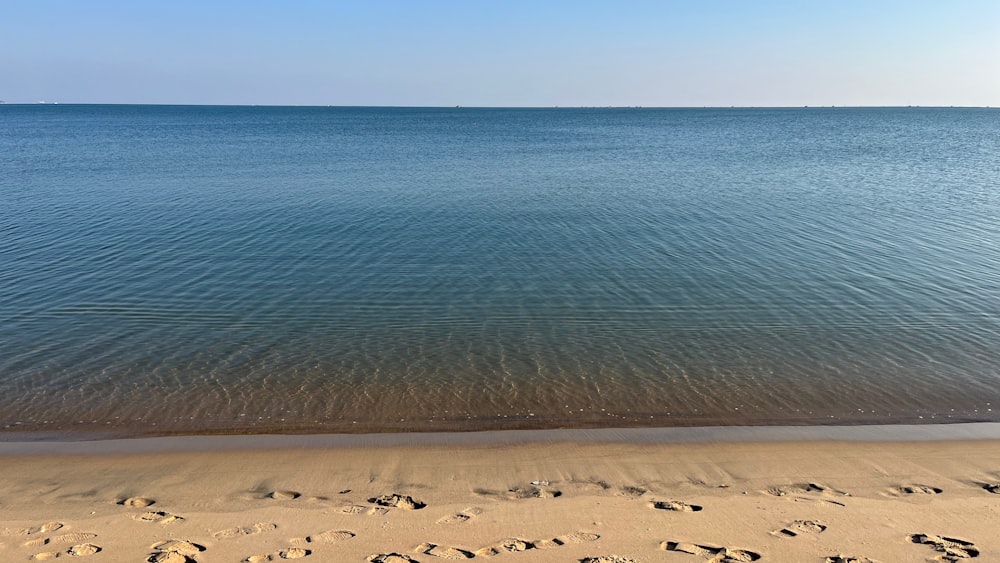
[(190, 270)]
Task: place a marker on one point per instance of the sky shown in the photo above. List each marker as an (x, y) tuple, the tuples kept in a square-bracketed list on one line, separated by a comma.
[(502, 53)]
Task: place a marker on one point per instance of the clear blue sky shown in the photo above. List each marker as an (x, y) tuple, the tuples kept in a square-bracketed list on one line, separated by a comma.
[(502, 53)]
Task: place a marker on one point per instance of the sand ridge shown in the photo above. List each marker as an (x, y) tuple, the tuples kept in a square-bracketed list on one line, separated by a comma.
[(827, 502)]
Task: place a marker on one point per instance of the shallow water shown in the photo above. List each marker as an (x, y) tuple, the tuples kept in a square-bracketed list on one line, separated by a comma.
[(219, 269)]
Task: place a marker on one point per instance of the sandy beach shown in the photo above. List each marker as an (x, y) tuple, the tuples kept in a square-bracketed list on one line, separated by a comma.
[(542, 499)]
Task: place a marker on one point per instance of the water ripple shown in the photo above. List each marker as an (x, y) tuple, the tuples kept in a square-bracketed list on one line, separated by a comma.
[(361, 269)]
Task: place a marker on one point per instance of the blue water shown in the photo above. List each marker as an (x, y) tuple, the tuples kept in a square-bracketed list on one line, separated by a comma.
[(250, 269)]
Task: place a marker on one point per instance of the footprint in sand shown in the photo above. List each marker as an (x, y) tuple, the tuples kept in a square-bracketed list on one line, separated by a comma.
[(157, 517), (284, 495), (136, 502), (509, 545), (405, 502), (797, 527), (592, 484), (74, 537), (83, 550), (361, 509), (240, 531), (47, 527), (675, 505), (43, 529), (806, 489), (174, 551), (532, 491), (435, 550), (807, 492), (849, 559), (914, 490), (712, 553), (391, 558), (952, 549), (329, 536), (154, 516), (633, 491), (169, 557), (607, 559), (290, 553), (461, 517), (559, 541)]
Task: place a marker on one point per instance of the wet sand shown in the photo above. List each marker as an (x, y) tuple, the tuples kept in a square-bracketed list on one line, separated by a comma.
[(886, 494)]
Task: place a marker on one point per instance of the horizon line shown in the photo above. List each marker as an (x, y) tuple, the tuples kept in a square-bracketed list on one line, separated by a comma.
[(825, 106)]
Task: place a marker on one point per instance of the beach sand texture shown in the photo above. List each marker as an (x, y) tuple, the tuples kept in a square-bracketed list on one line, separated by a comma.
[(823, 501)]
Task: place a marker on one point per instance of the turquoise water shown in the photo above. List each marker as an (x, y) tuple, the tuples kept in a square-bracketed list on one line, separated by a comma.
[(259, 269)]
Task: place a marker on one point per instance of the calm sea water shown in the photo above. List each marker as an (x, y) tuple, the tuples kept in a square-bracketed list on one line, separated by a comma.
[(251, 269)]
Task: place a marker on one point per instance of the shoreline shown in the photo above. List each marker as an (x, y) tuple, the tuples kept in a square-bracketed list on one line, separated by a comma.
[(877, 494), (58, 444)]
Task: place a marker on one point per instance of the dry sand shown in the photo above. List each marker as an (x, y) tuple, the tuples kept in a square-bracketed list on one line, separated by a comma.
[(547, 500)]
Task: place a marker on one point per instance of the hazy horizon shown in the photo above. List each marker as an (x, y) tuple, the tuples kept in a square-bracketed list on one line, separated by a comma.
[(832, 106)]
